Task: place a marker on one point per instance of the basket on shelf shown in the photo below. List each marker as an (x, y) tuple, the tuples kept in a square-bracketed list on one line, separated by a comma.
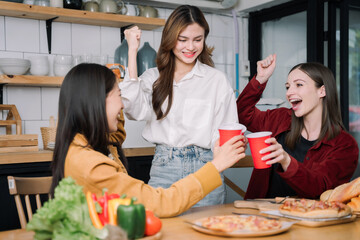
[(48, 135)]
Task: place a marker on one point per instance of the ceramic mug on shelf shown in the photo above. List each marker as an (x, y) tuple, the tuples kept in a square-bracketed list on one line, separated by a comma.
[(72, 4), (131, 10), (30, 2), (92, 6), (43, 3), (112, 6), (57, 3), (147, 11)]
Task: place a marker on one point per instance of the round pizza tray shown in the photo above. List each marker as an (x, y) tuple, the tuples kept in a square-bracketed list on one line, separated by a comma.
[(198, 227)]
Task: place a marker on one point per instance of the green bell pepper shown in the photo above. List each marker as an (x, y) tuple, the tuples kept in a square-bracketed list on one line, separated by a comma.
[(131, 218)]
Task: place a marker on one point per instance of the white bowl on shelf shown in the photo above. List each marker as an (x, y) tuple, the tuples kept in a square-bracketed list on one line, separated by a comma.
[(63, 59), (39, 65), (14, 66), (61, 70)]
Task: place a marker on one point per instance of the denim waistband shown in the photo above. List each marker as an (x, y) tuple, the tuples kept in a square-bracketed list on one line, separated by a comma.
[(188, 150)]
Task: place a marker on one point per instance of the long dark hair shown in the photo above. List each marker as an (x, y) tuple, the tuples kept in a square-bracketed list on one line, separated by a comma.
[(331, 122), (82, 110), (179, 19)]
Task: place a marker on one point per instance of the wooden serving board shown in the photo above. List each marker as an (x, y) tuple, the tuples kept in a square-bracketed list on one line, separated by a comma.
[(261, 205), (309, 223), (19, 143)]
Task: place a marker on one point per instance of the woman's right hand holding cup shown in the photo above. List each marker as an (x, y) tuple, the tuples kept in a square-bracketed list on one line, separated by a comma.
[(229, 153), (276, 153)]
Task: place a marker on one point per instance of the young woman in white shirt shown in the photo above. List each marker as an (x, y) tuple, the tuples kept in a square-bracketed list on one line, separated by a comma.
[(183, 100)]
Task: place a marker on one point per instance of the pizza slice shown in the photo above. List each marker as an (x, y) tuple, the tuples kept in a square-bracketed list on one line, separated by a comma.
[(314, 209)]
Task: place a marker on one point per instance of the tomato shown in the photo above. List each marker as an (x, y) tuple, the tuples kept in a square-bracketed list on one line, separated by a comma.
[(152, 224)]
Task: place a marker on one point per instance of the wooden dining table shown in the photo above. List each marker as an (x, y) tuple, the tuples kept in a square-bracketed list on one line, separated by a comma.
[(175, 228)]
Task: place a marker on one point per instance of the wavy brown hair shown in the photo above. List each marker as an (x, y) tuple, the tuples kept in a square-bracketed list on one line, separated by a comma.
[(331, 122), (179, 19)]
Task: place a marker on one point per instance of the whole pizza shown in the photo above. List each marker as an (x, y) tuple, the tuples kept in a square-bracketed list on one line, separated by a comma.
[(306, 208), (231, 223)]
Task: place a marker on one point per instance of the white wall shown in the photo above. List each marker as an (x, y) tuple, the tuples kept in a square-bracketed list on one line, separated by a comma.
[(22, 38)]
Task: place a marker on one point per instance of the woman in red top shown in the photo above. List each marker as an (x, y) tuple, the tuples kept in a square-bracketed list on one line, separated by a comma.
[(310, 150)]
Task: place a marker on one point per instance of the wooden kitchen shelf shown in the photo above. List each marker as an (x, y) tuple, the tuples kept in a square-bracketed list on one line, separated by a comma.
[(25, 157), (30, 80), (20, 10), (46, 156)]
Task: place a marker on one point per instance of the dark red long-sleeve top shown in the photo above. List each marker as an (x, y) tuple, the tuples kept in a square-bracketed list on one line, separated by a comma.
[(326, 165)]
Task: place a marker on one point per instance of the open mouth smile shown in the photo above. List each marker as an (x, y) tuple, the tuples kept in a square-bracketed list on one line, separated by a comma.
[(295, 103)]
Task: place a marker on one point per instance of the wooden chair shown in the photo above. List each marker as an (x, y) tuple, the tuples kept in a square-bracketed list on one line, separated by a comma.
[(26, 186), (246, 162)]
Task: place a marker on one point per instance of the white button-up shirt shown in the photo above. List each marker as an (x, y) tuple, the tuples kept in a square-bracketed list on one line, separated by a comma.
[(202, 100)]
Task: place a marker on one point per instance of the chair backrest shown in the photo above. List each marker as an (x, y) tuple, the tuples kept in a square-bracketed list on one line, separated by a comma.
[(246, 162), (26, 186)]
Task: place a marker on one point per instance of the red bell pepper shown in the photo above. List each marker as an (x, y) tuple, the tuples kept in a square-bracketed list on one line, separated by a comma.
[(113, 196), (103, 202), (92, 211)]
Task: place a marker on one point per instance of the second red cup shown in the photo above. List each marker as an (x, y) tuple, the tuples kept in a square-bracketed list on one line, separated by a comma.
[(227, 131), (257, 142)]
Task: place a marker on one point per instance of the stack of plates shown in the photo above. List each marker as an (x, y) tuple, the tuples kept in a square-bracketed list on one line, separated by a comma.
[(14, 66)]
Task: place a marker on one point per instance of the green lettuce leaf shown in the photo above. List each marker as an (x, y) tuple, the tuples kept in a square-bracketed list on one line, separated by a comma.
[(66, 216)]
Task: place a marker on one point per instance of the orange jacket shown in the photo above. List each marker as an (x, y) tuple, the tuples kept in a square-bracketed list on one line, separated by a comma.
[(95, 171)]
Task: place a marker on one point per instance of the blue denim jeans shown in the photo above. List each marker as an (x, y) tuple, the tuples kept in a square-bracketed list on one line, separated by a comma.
[(171, 164)]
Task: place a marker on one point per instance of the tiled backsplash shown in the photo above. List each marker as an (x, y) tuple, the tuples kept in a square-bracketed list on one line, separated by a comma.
[(22, 38)]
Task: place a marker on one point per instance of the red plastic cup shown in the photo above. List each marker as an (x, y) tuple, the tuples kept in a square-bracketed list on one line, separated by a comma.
[(257, 142), (227, 131)]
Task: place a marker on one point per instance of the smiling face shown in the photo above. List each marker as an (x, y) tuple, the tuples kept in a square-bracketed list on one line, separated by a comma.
[(114, 105), (304, 97), (190, 44)]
